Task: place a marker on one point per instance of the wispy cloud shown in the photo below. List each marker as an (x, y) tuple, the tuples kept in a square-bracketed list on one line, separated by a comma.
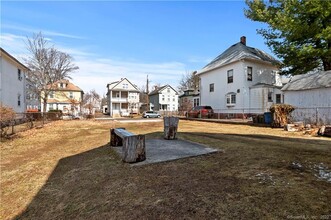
[(35, 30), (95, 72)]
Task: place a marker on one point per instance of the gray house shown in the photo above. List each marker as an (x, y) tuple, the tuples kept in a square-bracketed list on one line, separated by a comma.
[(164, 98)]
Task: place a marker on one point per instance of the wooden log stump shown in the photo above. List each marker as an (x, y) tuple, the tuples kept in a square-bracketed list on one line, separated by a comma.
[(115, 140), (325, 131), (170, 127), (134, 149), (133, 146)]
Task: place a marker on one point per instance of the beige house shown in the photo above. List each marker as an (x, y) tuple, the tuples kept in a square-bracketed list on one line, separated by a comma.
[(65, 96), (123, 98)]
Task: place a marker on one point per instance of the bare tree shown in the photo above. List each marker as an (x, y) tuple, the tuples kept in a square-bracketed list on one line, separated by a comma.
[(189, 80), (47, 66), (91, 100)]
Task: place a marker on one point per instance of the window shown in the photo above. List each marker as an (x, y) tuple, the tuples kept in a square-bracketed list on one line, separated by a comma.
[(71, 95), (269, 96), (249, 73), (211, 87), (278, 98), (162, 97), (51, 95), (50, 107), (19, 100), (19, 75), (230, 76), (168, 90), (196, 102), (230, 99), (125, 86)]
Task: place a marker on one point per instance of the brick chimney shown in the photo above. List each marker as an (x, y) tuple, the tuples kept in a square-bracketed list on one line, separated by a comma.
[(243, 40)]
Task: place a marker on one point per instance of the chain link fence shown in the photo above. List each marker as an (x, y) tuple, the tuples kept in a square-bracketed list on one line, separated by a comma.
[(315, 116)]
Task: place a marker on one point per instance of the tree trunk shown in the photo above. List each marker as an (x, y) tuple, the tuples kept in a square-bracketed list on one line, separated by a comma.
[(44, 105)]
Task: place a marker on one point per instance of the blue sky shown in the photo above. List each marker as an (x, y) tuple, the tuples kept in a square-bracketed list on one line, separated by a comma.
[(110, 40)]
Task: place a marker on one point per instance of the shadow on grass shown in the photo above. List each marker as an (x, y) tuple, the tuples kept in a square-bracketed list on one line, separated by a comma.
[(96, 184)]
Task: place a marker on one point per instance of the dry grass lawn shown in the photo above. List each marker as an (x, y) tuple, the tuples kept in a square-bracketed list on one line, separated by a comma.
[(66, 170)]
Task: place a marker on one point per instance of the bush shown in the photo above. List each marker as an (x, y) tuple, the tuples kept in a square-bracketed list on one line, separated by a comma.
[(55, 111), (7, 115)]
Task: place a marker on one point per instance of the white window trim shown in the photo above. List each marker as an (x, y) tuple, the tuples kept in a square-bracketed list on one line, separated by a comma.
[(229, 96)]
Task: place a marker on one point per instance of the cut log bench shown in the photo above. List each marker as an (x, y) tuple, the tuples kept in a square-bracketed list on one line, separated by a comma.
[(170, 127), (133, 146)]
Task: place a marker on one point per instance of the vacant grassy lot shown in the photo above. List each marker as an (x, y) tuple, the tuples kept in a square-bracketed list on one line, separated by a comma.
[(66, 170)]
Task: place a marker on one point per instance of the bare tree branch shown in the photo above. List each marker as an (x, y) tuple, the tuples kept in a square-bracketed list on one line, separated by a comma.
[(47, 65)]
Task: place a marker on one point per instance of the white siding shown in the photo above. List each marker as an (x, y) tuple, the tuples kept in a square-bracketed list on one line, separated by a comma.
[(309, 98), (245, 97), (10, 86)]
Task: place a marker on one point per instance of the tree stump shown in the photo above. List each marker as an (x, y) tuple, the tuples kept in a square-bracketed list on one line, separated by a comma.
[(170, 127), (325, 131), (134, 149)]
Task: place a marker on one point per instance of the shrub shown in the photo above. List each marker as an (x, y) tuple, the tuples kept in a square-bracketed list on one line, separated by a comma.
[(7, 115)]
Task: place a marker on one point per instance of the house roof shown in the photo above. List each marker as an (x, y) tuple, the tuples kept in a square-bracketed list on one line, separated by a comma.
[(70, 86), (238, 52), (321, 79), (2, 51), (114, 84), (159, 89)]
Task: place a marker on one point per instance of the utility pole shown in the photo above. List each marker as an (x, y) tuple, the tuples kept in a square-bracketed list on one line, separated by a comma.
[(147, 92)]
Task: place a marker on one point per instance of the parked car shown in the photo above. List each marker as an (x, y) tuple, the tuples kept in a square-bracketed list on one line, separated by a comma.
[(151, 114), (200, 112)]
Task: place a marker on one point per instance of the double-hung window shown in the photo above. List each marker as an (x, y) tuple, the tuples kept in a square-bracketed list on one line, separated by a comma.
[(211, 87), (249, 73), (230, 76)]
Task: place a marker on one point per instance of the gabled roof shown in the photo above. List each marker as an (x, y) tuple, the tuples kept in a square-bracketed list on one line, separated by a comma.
[(3, 52), (69, 86), (321, 79), (238, 52), (112, 85), (159, 90)]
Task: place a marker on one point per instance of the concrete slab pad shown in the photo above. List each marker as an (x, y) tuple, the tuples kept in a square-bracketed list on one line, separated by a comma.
[(161, 150)]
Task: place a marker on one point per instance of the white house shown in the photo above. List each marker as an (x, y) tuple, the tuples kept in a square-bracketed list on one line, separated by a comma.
[(123, 98), (12, 82), (241, 81), (311, 95), (164, 98)]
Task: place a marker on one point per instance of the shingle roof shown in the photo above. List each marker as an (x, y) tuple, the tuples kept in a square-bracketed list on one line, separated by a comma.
[(321, 79), (237, 52), (158, 90), (69, 87)]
